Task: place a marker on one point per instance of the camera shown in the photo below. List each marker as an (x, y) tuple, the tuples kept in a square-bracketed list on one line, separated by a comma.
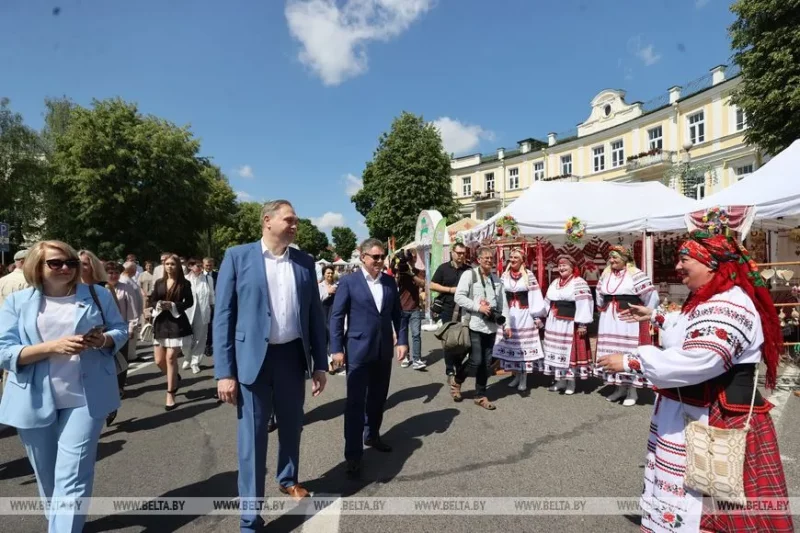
[(496, 317), (402, 261)]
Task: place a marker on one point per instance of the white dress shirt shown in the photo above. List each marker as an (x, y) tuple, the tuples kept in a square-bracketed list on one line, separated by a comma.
[(282, 297), (375, 287)]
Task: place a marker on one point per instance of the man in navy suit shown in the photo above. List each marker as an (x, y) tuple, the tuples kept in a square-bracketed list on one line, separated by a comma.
[(371, 303), (269, 331)]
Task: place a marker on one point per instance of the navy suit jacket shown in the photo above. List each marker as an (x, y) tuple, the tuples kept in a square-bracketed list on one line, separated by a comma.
[(369, 331), (242, 314)]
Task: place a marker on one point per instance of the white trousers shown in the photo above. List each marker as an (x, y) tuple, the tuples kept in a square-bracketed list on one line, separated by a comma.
[(199, 335)]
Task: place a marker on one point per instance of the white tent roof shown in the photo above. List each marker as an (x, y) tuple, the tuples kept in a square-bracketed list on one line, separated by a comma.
[(774, 188), (603, 207)]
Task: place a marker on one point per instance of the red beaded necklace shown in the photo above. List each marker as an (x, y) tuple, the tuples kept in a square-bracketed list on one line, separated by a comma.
[(615, 273), (563, 282)]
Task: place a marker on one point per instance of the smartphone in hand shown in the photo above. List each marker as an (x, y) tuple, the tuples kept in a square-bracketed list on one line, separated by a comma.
[(96, 330)]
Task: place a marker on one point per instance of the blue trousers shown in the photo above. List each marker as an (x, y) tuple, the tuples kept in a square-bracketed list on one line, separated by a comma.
[(413, 321), (280, 386), (63, 455), (367, 388)]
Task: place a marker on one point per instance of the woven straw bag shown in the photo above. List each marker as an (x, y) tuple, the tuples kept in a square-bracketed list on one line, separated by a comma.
[(715, 457)]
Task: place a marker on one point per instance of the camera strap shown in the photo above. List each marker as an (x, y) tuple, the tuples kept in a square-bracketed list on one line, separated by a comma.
[(494, 290)]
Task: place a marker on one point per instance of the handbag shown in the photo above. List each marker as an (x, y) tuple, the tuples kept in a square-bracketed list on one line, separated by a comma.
[(455, 334), (146, 334), (715, 456), (120, 361)]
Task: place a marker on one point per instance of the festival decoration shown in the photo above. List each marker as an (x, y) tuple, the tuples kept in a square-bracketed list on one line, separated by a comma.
[(716, 220), (506, 227), (575, 230)]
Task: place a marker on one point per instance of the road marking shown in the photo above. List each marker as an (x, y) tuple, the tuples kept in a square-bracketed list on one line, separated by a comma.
[(326, 520), (136, 366), (787, 383)]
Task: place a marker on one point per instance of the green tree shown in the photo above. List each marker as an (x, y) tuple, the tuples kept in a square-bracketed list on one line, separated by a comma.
[(327, 255), (309, 238), (766, 43), (23, 177), (243, 226), (124, 182), (409, 172), (220, 210), (344, 241)]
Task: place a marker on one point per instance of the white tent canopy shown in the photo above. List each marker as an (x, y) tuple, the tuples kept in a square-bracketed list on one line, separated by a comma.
[(773, 189), (603, 207)]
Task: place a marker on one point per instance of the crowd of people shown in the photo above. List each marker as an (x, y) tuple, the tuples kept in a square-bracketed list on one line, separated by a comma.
[(69, 324)]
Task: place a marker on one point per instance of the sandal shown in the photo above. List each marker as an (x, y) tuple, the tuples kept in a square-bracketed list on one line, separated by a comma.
[(174, 405), (485, 403), (455, 391)]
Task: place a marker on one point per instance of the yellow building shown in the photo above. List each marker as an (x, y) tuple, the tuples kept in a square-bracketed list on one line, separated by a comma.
[(621, 142)]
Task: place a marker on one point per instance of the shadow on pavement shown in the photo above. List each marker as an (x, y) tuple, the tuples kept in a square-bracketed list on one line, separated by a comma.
[(405, 439), (161, 386), (335, 409), (22, 467), (217, 486), (186, 409)]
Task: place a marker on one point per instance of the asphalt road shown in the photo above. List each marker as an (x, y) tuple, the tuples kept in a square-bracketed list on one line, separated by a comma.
[(536, 444)]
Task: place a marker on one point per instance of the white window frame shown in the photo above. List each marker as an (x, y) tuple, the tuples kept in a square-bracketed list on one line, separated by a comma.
[(696, 127), (617, 153), (538, 171), (739, 125), (513, 179), (599, 158), (466, 186), (566, 165), (656, 142), (488, 179), (741, 171), (700, 191)]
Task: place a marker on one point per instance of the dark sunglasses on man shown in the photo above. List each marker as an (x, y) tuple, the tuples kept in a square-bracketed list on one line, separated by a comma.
[(58, 264), (376, 257)]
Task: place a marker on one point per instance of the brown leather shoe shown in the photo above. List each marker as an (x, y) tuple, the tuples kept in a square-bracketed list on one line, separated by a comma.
[(295, 491)]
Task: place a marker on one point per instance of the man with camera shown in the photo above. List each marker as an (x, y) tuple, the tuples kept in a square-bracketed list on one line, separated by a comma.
[(409, 282), (480, 292)]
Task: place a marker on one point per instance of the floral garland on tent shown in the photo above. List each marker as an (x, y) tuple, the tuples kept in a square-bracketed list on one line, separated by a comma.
[(506, 227), (575, 230), (717, 220)]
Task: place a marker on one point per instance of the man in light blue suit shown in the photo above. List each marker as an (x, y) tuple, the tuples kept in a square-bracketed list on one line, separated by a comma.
[(269, 331), (370, 302)]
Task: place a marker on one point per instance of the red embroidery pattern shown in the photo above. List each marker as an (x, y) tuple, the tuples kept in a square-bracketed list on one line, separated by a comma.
[(660, 318), (722, 334), (634, 364)]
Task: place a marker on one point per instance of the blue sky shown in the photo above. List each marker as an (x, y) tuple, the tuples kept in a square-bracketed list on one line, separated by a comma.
[(289, 97)]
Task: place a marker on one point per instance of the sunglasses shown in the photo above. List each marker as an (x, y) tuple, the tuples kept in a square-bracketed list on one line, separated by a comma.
[(376, 257), (58, 264)]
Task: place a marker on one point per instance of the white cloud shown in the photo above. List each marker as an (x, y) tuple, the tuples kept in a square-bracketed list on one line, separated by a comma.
[(352, 184), (334, 38), (243, 196), (329, 221), (700, 4), (458, 137), (646, 53), (245, 171)]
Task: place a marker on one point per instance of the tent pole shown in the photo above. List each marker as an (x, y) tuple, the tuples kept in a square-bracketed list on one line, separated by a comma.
[(540, 262)]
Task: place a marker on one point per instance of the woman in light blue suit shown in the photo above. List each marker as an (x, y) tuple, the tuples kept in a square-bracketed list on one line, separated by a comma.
[(58, 349)]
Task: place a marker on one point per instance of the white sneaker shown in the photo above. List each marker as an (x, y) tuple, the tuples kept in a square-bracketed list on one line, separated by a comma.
[(523, 382), (514, 382), (558, 385), (617, 394), (195, 368), (185, 365), (406, 363), (418, 365), (630, 400), (570, 387)]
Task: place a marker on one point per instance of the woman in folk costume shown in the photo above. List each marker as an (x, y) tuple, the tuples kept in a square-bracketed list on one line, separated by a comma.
[(567, 352), (621, 285), (707, 372), (518, 346)]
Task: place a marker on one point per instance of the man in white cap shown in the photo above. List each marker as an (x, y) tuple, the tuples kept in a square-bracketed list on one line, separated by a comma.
[(16, 280)]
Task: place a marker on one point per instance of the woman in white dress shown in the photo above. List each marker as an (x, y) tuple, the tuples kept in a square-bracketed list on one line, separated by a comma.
[(567, 352), (707, 372), (621, 285), (518, 346)]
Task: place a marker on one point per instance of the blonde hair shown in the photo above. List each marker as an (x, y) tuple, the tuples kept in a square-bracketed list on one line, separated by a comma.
[(33, 268), (98, 269), (522, 266)]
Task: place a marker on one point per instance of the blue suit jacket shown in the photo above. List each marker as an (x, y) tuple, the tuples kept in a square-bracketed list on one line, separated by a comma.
[(28, 397), (242, 315), (369, 331)]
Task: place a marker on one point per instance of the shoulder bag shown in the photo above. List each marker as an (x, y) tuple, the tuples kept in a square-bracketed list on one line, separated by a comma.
[(715, 456), (455, 334), (120, 361)]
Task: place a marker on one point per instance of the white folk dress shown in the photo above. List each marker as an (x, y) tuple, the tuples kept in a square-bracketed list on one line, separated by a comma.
[(699, 346), (566, 355), (614, 335), (523, 351)]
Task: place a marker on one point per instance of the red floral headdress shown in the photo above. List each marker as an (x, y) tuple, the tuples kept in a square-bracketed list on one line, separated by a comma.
[(732, 265)]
